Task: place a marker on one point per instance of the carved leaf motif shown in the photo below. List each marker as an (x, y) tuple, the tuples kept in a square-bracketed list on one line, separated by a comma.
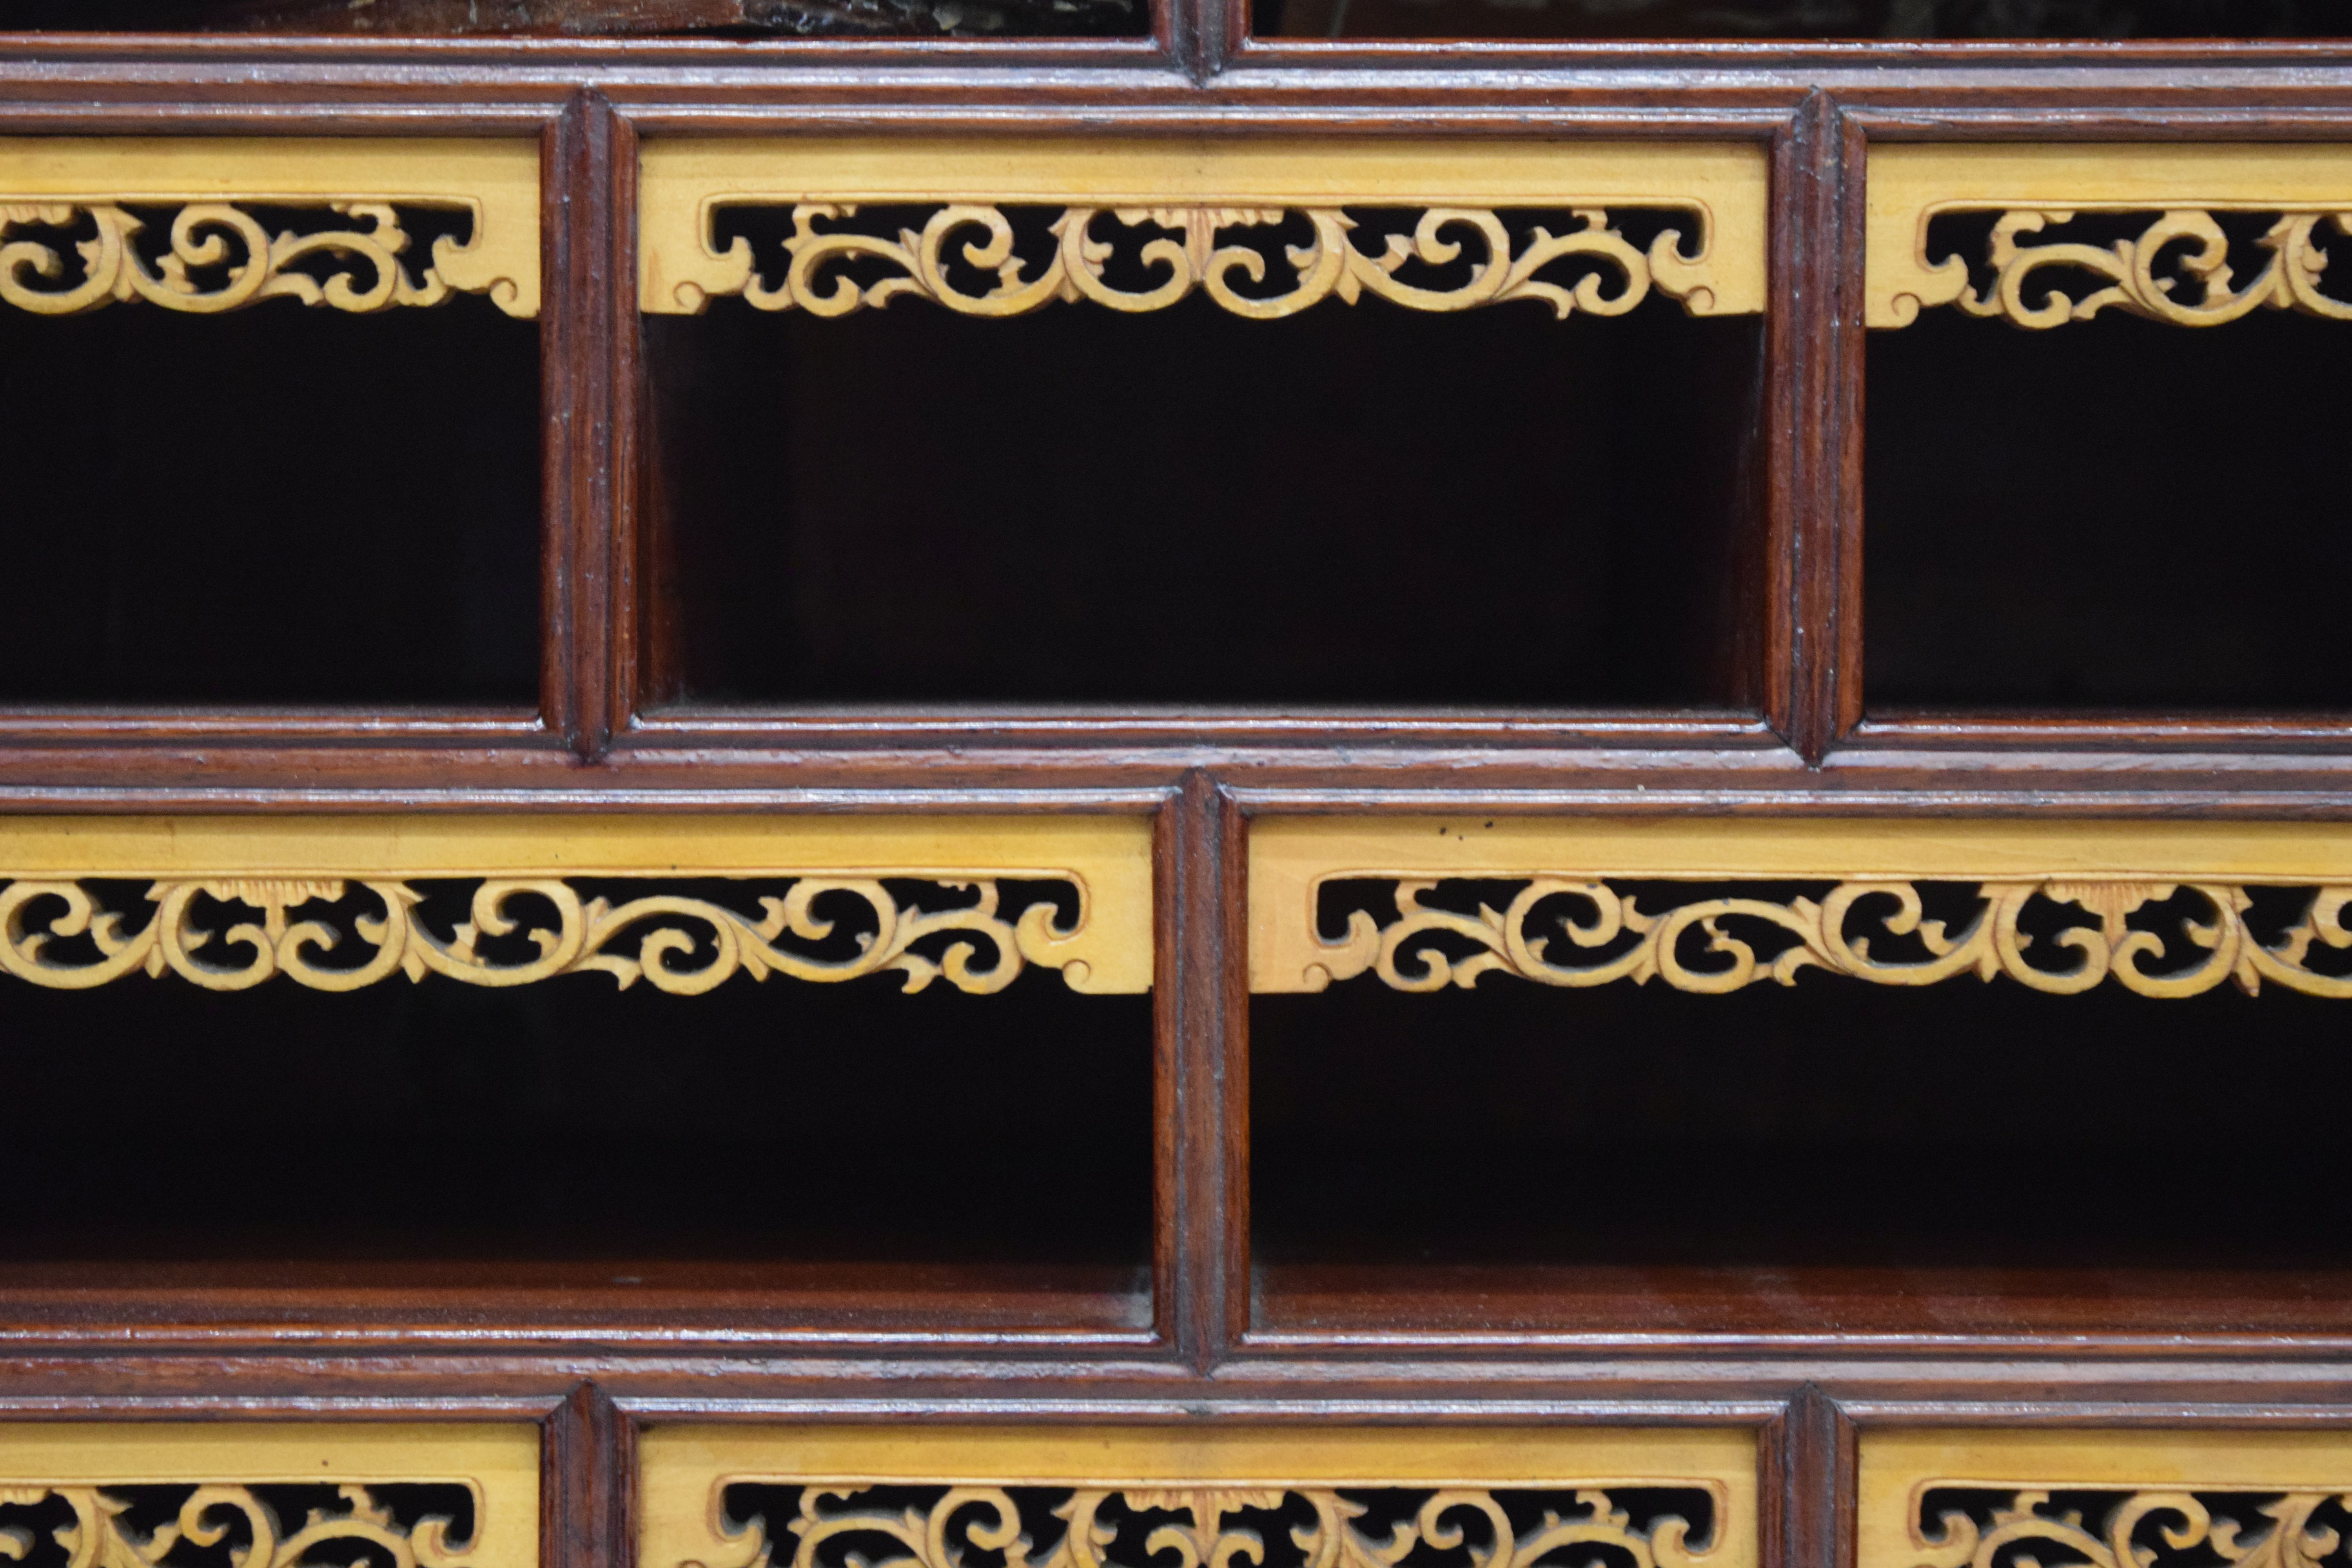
[(98, 1538), (988, 1518), (1700, 946), (2024, 289), (1328, 265), (577, 939), (369, 276), (2184, 1523)]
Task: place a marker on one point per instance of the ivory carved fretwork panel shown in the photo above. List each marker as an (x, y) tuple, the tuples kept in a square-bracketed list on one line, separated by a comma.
[(1712, 907), (180, 224), (2174, 206), (1216, 1498), (146, 1496), (1225, 221), (2116, 1500), (340, 904)]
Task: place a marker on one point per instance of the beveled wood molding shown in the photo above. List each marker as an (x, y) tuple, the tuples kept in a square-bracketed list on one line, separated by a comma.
[(2139, 1498), (1561, 870), (2178, 187), (524, 869), (1207, 1495), (1113, 192), (224, 1473), (53, 183)]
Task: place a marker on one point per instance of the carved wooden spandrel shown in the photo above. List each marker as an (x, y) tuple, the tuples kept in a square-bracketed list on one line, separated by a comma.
[(80, 219), (2132, 1499), (2161, 910), (340, 904), (753, 1497), (144, 1495), (2172, 265), (1185, 211)]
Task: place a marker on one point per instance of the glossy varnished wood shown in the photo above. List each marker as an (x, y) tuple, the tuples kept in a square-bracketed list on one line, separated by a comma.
[(1806, 1367)]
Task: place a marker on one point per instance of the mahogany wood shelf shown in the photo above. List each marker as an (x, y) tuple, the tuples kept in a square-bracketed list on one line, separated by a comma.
[(1884, 923)]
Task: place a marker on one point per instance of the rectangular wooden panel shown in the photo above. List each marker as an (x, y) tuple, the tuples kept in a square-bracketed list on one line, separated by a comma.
[(2119, 1500), (467, 1497), (1669, 1498)]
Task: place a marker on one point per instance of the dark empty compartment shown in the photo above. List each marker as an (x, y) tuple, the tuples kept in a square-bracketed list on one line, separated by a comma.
[(783, 1152), (279, 505), (1352, 506), (576, 18), (2113, 513), (1831, 1156), (1768, 19)]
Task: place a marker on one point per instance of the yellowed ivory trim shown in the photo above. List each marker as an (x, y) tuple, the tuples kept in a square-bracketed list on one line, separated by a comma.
[(685, 1471), (1908, 183), (1208, 185), (1898, 1468), (1291, 857), (499, 1464), (276, 864), (497, 180)]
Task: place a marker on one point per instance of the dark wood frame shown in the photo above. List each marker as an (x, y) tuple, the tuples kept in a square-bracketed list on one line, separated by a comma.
[(591, 1380)]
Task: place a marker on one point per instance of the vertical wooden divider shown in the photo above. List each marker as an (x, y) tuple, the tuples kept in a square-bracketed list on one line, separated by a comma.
[(589, 368), (587, 1484), (1200, 1268), (1816, 371), (1808, 1496)]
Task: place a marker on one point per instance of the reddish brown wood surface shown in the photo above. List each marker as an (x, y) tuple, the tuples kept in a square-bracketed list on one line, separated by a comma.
[(1803, 1363)]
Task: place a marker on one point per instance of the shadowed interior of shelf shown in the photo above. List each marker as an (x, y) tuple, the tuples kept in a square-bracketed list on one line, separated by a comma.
[(274, 506), (1832, 1156), (1794, 19), (2109, 514), (1351, 506), (596, 18), (780, 1151)]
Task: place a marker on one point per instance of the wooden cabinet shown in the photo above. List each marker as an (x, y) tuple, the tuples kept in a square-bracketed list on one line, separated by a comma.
[(1434, 785)]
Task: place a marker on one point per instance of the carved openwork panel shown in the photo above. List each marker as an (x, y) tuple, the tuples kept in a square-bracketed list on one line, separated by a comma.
[(683, 904), (2136, 1499), (201, 227), (305, 1497), (2192, 236), (1264, 230), (1128, 1499), (1719, 906)]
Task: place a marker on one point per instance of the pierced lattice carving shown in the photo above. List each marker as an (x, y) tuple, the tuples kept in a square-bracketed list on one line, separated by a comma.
[(1223, 1527), (1185, 255), (2192, 242), (2153, 1529), (369, 274), (1708, 945), (98, 1536), (678, 944)]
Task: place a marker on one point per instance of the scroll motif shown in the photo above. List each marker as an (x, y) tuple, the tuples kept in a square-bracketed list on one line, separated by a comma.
[(2288, 281), (580, 937), (1187, 257), (2134, 1530), (1211, 1529), (369, 276), (1406, 957), (98, 1537)]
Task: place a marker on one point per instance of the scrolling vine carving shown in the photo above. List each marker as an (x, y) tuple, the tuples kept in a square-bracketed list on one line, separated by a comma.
[(581, 939), (98, 1538), (2288, 281), (215, 234), (987, 1518), (2185, 1523), (1401, 952), (1189, 256)]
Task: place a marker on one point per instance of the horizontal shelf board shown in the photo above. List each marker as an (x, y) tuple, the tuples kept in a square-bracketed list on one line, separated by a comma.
[(1308, 1303)]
